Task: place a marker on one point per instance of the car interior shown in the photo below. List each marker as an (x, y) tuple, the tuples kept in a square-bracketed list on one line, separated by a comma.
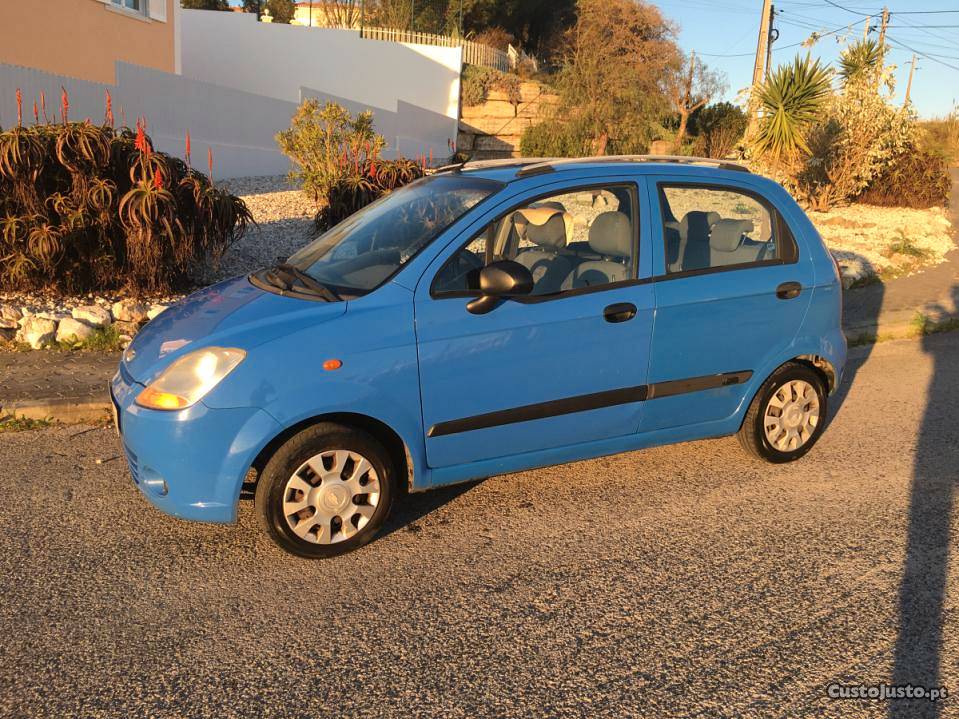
[(572, 241), (710, 238)]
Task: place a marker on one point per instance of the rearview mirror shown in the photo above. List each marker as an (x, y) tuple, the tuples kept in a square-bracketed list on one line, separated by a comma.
[(499, 281)]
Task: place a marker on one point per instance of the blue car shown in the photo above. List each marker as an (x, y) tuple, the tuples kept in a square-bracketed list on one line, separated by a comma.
[(490, 318)]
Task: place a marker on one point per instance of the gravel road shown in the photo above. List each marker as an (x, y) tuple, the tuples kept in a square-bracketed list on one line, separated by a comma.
[(679, 581)]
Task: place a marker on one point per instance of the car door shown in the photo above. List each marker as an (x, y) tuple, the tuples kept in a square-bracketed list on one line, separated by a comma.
[(731, 293), (563, 366)]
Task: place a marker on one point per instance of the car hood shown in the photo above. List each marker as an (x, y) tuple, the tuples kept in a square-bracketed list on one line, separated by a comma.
[(232, 313)]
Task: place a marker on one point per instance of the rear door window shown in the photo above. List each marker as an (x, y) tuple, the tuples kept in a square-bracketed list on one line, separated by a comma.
[(713, 227)]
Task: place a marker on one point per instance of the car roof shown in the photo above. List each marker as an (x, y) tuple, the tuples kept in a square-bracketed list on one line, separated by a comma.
[(508, 170)]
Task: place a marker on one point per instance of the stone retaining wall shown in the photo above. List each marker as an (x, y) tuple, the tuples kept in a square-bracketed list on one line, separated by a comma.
[(493, 130)]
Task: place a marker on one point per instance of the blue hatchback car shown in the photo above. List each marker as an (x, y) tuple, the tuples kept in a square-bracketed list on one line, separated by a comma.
[(490, 318)]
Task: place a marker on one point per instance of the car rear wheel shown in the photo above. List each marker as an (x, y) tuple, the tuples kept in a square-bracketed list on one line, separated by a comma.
[(326, 491), (786, 416)]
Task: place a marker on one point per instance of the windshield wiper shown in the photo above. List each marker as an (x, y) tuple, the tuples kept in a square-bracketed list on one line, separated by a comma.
[(284, 271)]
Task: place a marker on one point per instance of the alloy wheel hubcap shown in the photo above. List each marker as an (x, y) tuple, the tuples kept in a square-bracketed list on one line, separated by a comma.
[(331, 496), (791, 416)]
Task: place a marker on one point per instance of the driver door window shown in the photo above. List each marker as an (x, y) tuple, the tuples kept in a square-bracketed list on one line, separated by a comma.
[(568, 241)]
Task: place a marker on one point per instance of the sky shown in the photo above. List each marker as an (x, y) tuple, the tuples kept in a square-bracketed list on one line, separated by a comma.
[(724, 33)]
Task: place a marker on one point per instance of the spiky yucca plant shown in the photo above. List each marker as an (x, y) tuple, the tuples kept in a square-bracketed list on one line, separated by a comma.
[(860, 60), (791, 99)]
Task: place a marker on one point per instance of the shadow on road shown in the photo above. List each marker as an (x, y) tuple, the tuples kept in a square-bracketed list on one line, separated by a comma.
[(922, 590)]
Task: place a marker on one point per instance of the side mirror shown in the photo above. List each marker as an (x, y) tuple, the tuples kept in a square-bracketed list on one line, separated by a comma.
[(498, 281)]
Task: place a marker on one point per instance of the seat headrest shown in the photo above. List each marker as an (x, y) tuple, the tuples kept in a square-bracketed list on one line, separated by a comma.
[(611, 235), (544, 226), (727, 235), (709, 218)]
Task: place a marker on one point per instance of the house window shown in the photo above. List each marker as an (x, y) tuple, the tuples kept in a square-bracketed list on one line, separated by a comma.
[(135, 5)]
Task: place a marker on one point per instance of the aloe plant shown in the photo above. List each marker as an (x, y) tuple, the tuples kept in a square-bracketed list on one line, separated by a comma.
[(790, 99)]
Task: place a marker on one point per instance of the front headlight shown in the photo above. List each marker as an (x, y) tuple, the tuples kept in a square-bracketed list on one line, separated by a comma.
[(190, 378)]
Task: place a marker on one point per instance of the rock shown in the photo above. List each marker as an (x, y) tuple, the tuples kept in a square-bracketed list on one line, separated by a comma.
[(52, 315), (73, 331), (37, 332), (125, 341), (9, 312), (7, 334), (156, 310), (126, 328), (6, 324), (93, 315), (130, 310)]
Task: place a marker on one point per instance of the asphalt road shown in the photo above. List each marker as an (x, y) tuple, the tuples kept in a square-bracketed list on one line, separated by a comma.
[(679, 581)]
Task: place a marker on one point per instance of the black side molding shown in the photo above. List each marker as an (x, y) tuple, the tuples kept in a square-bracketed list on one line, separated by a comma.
[(586, 402)]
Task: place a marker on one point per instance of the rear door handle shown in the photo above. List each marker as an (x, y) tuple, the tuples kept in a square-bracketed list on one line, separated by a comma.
[(788, 290), (620, 312)]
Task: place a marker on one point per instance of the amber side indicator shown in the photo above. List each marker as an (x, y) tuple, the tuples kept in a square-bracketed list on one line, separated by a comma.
[(332, 364)]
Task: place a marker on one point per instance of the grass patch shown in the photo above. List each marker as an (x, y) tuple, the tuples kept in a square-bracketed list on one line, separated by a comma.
[(103, 339), (924, 325), (22, 424)]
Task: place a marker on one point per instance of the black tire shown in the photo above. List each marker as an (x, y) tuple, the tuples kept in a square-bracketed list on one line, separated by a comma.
[(752, 434), (291, 456)]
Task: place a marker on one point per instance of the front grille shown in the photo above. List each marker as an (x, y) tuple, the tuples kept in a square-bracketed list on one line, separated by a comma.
[(132, 461)]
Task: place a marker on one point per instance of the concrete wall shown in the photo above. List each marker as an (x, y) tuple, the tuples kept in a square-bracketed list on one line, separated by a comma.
[(242, 81), (413, 90), (85, 38)]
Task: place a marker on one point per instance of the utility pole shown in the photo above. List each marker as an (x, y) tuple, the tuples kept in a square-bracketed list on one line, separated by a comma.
[(761, 44), (882, 44), (773, 36), (912, 71)]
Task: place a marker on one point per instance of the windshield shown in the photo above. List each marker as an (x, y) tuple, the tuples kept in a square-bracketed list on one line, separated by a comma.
[(368, 247)]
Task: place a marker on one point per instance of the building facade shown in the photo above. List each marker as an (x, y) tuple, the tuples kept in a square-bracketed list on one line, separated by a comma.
[(85, 39)]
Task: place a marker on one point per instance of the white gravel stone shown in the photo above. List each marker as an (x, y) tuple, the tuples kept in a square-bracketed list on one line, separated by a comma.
[(93, 315), (284, 217), (9, 312), (37, 332), (130, 310), (73, 331), (156, 310)]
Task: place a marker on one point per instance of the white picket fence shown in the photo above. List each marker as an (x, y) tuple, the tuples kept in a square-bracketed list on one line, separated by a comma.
[(473, 52)]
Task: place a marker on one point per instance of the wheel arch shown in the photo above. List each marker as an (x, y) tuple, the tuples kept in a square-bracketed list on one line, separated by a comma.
[(398, 450), (822, 366)]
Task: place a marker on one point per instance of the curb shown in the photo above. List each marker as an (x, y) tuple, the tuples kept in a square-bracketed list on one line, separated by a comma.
[(58, 410)]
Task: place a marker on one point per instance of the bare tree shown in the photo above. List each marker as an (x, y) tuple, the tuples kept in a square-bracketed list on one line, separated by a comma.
[(691, 87), (340, 13)]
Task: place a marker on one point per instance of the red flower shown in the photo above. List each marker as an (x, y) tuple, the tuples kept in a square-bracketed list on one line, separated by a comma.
[(108, 115), (158, 180), (64, 104), (188, 148), (19, 108), (209, 161), (43, 106), (36, 114)]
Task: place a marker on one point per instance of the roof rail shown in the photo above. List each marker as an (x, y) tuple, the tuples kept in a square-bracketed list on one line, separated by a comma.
[(491, 164), (552, 165)]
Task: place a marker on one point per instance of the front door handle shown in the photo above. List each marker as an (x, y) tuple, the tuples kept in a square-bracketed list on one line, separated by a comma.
[(620, 312), (788, 290)]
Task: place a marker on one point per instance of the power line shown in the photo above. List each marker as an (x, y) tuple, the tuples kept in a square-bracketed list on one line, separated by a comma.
[(922, 54)]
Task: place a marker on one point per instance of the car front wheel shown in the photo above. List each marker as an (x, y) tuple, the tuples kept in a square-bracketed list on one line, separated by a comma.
[(326, 491), (786, 416)]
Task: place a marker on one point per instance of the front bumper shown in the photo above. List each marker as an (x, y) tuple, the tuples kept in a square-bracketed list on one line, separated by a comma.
[(191, 463)]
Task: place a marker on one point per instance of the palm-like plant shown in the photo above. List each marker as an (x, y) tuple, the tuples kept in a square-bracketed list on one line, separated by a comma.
[(791, 99), (860, 60)]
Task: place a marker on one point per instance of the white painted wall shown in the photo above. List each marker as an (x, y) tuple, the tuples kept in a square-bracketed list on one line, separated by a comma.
[(242, 81), (289, 62)]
